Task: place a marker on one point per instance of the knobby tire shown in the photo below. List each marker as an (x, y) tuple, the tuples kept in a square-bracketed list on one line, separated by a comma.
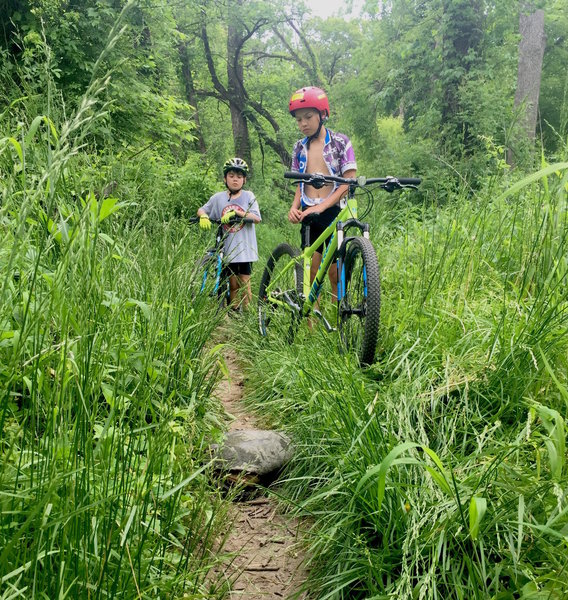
[(208, 270), (360, 306), (290, 286)]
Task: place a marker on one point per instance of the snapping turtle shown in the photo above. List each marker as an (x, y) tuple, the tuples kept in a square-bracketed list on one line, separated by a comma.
[(251, 454)]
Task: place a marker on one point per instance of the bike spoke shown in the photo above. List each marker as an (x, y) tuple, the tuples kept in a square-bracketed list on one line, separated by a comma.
[(279, 306)]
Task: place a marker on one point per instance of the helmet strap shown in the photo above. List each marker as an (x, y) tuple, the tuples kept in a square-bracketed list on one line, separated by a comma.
[(316, 134)]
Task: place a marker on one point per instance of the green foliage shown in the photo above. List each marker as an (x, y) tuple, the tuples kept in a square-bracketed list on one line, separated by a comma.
[(447, 69), (439, 472), (105, 377)]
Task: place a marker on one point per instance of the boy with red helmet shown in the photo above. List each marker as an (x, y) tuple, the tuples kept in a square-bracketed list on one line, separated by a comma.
[(320, 151)]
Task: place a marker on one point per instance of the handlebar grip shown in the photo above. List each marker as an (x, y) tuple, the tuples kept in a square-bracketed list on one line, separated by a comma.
[(296, 175), (410, 180)]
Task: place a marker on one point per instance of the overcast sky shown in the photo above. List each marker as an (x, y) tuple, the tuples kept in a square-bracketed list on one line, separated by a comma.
[(328, 8)]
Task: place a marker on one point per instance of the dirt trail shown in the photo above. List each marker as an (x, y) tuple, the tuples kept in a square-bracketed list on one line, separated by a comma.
[(267, 559)]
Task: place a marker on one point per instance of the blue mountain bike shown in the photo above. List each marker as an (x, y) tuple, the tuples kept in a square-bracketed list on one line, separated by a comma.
[(210, 269)]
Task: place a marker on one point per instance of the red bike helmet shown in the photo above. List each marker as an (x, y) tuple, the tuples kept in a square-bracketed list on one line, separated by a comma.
[(310, 97)]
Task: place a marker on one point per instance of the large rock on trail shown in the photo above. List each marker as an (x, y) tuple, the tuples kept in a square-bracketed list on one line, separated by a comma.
[(253, 452)]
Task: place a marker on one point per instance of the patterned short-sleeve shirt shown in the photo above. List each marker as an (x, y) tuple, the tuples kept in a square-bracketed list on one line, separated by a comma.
[(338, 155)]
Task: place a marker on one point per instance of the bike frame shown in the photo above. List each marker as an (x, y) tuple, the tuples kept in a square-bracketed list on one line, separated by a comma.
[(311, 290), (218, 255), (218, 252)]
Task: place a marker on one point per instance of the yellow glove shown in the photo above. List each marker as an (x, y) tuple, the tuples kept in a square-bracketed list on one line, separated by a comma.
[(228, 216), (204, 222)]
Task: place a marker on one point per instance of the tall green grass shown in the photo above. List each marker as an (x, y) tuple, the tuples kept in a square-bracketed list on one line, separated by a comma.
[(106, 377), (439, 472)]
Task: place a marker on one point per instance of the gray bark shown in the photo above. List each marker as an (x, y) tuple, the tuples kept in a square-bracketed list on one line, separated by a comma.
[(190, 94), (531, 52), (235, 87)]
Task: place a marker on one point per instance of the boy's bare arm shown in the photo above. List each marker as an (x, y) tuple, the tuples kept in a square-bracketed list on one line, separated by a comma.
[(295, 213)]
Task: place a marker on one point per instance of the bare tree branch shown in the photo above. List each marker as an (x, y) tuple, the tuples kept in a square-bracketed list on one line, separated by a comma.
[(277, 146), (250, 32), (264, 113), (257, 55), (334, 62), (210, 94), (315, 70), (210, 65), (295, 57)]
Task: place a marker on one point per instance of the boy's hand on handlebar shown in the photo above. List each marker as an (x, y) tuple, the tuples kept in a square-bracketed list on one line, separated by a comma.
[(204, 222), (228, 216)]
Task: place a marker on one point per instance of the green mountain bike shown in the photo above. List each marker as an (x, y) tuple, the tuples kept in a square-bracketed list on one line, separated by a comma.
[(287, 295)]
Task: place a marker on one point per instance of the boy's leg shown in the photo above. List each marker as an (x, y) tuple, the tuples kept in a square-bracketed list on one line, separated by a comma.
[(314, 266), (332, 273), (333, 277), (239, 284), (245, 290), (234, 285), (316, 229), (316, 261)]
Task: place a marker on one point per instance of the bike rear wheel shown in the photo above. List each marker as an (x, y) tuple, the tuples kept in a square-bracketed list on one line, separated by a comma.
[(279, 289), (359, 299)]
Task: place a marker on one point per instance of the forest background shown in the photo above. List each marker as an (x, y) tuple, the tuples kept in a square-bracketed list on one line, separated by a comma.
[(437, 473)]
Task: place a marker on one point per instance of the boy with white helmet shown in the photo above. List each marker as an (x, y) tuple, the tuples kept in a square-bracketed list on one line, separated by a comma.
[(240, 238)]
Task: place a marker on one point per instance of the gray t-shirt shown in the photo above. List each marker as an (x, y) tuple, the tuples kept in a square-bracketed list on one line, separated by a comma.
[(240, 239)]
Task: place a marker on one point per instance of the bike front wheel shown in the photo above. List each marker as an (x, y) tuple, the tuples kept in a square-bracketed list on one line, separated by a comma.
[(359, 298), (279, 302), (213, 283)]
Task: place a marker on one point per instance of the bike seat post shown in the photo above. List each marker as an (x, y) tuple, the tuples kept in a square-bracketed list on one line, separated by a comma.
[(306, 235)]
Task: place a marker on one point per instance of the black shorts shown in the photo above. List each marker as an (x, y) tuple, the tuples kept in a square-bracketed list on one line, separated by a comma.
[(318, 225), (238, 268)]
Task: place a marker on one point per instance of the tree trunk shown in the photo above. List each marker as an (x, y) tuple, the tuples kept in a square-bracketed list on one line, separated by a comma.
[(235, 85), (190, 94), (531, 53)]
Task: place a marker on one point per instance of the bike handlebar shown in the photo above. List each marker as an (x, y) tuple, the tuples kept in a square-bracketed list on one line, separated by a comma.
[(388, 183), (231, 221)]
